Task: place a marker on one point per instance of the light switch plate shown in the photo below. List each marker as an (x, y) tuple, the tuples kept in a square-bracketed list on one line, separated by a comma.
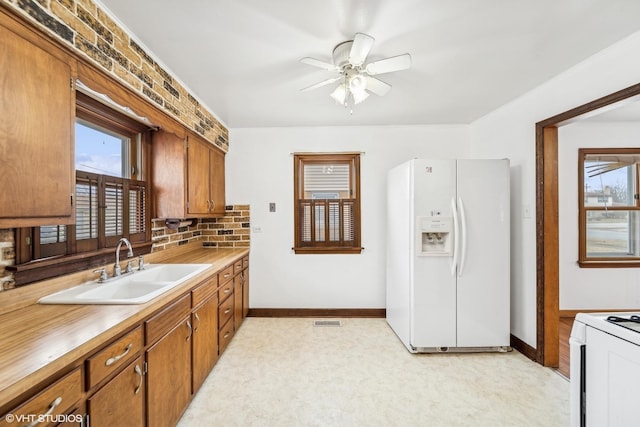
[(272, 207)]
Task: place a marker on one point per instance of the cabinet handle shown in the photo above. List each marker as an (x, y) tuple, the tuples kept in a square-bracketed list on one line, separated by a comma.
[(213, 205), (190, 330), (198, 319), (110, 361), (52, 407), (227, 311), (138, 371), (226, 291), (208, 205), (227, 335)]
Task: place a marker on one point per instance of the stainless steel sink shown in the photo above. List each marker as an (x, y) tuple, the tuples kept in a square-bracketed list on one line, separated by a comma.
[(135, 288)]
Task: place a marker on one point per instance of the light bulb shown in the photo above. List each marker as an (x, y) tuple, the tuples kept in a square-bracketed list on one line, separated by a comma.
[(340, 94)]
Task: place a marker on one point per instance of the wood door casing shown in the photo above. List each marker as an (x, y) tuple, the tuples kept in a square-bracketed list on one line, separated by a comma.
[(547, 231)]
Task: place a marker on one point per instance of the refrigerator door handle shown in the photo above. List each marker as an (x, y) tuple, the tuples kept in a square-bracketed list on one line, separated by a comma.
[(463, 237), (454, 260)]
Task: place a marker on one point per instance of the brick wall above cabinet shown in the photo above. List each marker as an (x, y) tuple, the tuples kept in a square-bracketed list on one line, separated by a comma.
[(87, 29)]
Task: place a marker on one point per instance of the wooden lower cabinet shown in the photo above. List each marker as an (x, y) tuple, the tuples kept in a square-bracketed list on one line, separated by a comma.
[(148, 375), (205, 340), (121, 401), (61, 397), (169, 376)]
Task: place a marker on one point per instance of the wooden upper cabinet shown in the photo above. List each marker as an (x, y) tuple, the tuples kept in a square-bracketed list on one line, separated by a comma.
[(188, 177), (36, 130), (205, 178)]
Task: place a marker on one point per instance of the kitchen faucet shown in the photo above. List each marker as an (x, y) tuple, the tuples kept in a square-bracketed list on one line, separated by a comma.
[(116, 268)]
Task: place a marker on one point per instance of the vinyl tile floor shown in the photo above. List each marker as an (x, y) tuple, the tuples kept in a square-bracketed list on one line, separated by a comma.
[(286, 372)]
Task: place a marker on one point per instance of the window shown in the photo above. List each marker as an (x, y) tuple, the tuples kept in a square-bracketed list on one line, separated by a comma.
[(111, 196), (609, 207), (327, 203)]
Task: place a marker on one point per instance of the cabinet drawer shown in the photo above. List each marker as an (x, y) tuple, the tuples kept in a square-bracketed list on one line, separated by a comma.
[(166, 319), (245, 262), (225, 291), (225, 275), (113, 357), (225, 311), (225, 335), (57, 399), (204, 291), (238, 266)]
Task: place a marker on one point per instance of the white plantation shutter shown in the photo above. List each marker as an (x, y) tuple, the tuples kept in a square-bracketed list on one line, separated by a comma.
[(326, 178)]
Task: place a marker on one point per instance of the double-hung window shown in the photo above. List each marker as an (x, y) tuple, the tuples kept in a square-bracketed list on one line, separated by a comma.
[(327, 203), (609, 207)]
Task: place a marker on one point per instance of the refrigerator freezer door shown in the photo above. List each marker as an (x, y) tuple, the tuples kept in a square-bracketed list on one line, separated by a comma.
[(433, 299), (483, 297)]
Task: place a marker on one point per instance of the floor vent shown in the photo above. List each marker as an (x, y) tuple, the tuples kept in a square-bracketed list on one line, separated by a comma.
[(327, 323)]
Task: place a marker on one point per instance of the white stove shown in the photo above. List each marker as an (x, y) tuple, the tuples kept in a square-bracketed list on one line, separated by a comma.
[(605, 369)]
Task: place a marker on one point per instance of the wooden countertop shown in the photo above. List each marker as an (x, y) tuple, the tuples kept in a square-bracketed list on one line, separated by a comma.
[(37, 340)]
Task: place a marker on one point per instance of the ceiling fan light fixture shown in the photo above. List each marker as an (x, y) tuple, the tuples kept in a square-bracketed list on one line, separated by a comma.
[(357, 83), (356, 75), (340, 94), (359, 96)]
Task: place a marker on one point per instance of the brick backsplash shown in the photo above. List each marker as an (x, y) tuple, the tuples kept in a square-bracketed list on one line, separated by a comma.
[(230, 231), (7, 257), (86, 28)]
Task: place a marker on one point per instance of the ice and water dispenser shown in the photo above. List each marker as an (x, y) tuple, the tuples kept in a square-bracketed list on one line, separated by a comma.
[(436, 235)]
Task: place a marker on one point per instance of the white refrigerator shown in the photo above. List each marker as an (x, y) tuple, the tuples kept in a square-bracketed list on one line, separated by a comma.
[(448, 272)]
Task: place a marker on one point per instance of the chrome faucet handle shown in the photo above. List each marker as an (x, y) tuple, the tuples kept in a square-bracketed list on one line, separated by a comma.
[(140, 263), (129, 268), (117, 270), (103, 274)]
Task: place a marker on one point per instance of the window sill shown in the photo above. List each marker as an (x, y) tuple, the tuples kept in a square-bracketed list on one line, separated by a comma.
[(60, 265), (609, 264), (328, 250)]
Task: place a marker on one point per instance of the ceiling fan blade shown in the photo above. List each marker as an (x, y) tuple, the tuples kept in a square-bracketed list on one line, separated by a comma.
[(376, 86), (320, 84), (389, 65), (360, 48), (320, 64)]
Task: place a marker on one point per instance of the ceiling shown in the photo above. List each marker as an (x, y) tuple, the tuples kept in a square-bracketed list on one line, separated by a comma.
[(241, 57)]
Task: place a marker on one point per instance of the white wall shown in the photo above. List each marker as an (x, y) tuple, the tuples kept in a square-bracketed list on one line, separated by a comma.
[(260, 170), (597, 288), (510, 132)]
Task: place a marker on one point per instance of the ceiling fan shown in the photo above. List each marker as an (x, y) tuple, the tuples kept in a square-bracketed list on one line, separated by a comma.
[(355, 77)]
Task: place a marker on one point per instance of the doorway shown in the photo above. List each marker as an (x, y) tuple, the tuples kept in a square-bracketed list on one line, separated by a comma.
[(547, 230)]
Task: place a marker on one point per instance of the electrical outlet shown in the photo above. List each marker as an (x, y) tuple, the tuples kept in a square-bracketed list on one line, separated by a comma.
[(526, 211), (256, 229)]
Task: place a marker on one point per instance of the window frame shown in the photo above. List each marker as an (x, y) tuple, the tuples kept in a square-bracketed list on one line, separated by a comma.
[(327, 246), (585, 261)]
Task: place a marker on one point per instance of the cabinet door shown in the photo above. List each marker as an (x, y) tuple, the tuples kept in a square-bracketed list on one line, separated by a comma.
[(199, 200), (205, 340), (217, 181), (238, 300), (121, 401), (169, 376), (36, 128), (245, 292)]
